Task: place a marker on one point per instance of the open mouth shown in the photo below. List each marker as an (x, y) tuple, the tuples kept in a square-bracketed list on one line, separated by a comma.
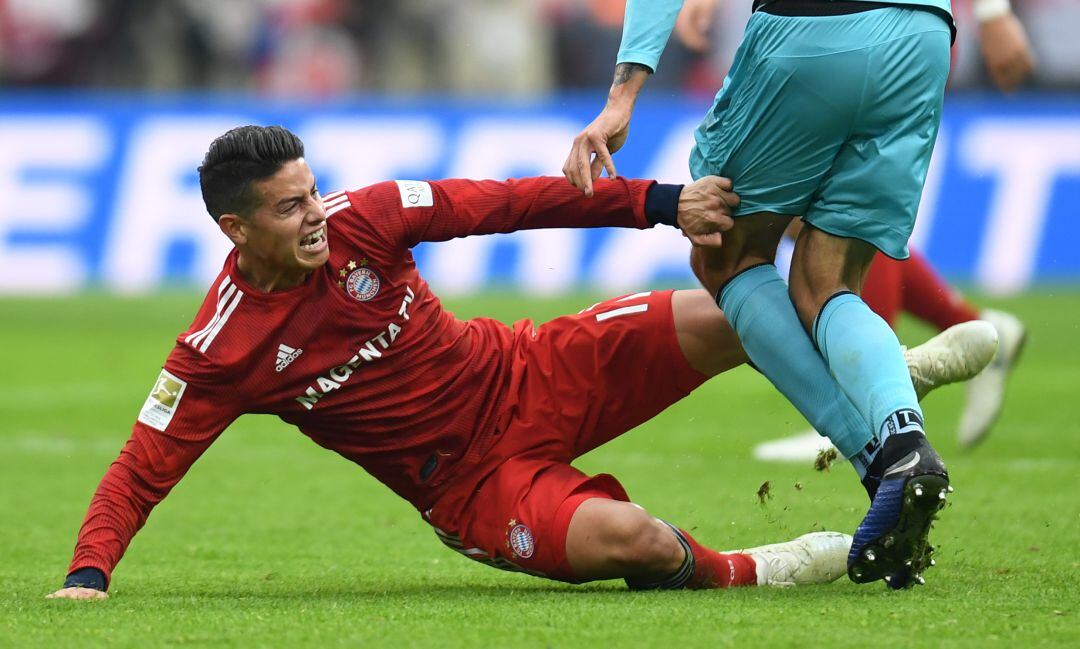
[(314, 241)]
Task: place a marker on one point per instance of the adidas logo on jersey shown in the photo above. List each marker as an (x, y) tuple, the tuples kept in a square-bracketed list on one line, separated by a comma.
[(286, 355)]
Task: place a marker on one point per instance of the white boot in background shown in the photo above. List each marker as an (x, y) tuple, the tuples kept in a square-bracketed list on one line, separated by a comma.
[(986, 392), (800, 447), (956, 354)]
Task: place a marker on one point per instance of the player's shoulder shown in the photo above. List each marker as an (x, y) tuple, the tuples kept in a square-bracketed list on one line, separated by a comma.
[(374, 218), (372, 200), (220, 331)]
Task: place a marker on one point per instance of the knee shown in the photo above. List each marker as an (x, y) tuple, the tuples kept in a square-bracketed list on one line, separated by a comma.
[(712, 268), (641, 544), (705, 336)]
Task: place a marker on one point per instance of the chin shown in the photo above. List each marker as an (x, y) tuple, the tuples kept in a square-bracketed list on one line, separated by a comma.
[(316, 262)]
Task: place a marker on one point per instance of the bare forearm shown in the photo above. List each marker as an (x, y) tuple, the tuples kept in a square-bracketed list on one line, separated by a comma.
[(629, 79)]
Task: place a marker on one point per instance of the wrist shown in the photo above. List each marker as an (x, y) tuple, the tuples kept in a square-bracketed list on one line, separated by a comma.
[(627, 83), (985, 10), (662, 204), (622, 97), (87, 578)]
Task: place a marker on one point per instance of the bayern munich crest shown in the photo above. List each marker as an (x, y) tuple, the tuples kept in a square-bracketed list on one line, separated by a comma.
[(520, 539), (361, 282)]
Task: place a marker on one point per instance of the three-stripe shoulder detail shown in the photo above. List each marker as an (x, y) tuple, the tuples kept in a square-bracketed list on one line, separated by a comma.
[(228, 297), (334, 202)]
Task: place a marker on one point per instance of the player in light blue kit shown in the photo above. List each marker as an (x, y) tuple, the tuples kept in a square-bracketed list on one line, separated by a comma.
[(829, 112)]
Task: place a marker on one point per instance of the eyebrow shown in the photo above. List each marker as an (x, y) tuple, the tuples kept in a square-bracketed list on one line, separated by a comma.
[(295, 198)]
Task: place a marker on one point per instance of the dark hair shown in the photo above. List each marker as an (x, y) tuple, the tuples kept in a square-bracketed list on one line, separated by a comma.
[(239, 157)]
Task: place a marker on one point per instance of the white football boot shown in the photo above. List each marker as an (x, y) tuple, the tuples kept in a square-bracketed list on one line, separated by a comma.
[(815, 558), (956, 354), (986, 392)]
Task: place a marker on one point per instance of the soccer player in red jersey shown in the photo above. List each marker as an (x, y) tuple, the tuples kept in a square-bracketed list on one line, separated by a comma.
[(320, 317)]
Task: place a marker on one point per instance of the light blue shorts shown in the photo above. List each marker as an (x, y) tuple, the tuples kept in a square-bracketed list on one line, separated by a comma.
[(832, 118)]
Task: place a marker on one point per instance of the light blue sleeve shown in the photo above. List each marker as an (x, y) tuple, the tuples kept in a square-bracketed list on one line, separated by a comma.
[(646, 28)]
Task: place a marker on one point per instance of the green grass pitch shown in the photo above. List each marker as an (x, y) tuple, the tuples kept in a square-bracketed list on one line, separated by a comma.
[(272, 541)]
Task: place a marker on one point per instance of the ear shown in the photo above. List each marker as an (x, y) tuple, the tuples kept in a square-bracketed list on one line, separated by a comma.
[(235, 227)]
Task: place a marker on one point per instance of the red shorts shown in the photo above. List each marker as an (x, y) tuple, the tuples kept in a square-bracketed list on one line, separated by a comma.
[(577, 382)]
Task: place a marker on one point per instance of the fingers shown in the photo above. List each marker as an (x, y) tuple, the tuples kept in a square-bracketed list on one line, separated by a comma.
[(583, 168), (731, 202), (722, 201), (589, 156), (572, 168), (724, 184), (707, 208), (1006, 51), (78, 593), (595, 168), (1008, 75), (711, 240), (604, 155)]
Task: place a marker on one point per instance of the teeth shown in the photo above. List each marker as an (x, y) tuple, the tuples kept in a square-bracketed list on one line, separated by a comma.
[(313, 238)]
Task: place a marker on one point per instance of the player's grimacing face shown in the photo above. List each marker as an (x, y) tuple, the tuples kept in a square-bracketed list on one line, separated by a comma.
[(288, 229)]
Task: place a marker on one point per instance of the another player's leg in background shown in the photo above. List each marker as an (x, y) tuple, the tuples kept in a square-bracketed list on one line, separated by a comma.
[(612, 539), (883, 289), (892, 287), (924, 294)]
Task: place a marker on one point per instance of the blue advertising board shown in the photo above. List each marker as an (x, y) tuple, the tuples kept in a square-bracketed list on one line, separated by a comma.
[(100, 191)]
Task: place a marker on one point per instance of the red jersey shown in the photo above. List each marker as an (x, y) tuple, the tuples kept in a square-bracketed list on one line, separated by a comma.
[(361, 357)]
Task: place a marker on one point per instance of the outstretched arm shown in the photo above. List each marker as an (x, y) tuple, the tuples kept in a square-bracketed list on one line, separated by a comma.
[(646, 28), (176, 425), (405, 213)]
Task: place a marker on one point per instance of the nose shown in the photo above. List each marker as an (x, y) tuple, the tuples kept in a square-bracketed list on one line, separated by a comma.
[(316, 213)]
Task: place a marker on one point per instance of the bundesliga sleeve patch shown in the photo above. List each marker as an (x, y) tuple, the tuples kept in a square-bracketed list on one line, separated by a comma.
[(415, 193), (163, 401)]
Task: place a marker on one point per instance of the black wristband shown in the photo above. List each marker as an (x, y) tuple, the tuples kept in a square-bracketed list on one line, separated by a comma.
[(87, 578), (662, 204)]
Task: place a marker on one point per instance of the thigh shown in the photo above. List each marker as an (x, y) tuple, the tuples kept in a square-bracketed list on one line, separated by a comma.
[(517, 518), (706, 338), (592, 376), (752, 241)]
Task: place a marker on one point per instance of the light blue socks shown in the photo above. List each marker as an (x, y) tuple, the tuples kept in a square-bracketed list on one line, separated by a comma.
[(864, 355), (757, 305)]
